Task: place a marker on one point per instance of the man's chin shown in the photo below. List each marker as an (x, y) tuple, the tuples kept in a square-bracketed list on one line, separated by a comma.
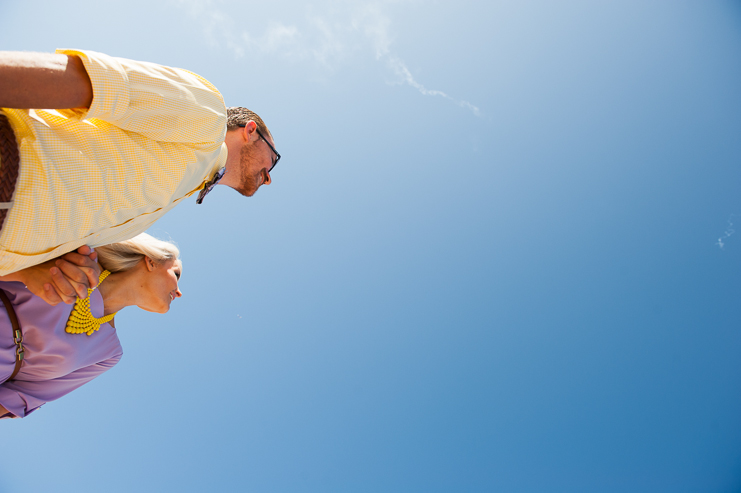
[(249, 189), (248, 192)]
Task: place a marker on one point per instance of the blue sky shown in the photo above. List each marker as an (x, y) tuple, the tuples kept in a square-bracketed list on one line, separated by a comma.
[(499, 254)]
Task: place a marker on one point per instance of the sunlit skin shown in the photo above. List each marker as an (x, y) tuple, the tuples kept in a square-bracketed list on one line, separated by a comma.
[(248, 160), (160, 287), (149, 285)]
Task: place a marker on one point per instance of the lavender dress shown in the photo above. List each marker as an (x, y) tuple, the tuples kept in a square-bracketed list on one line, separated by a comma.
[(55, 363)]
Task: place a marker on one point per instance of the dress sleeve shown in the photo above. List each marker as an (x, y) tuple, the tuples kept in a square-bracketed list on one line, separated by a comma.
[(161, 103), (22, 397)]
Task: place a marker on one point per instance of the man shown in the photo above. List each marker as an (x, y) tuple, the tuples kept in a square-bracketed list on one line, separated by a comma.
[(125, 142)]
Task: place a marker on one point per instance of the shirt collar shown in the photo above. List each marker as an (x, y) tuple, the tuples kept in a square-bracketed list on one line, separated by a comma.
[(210, 185)]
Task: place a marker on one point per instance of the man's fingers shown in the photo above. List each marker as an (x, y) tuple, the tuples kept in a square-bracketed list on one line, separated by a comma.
[(88, 251), (67, 291), (70, 265), (78, 259), (85, 250), (80, 268)]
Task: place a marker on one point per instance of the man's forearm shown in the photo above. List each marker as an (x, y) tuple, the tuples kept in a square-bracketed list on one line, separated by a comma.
[(43, 80)]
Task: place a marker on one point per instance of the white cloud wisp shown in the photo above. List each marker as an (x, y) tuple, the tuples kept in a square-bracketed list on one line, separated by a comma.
[(327, 39), (726, 234)]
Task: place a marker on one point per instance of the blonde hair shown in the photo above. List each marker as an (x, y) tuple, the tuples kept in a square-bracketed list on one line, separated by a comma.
[(124, 255)]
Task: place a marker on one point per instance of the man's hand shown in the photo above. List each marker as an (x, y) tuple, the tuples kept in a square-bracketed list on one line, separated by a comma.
[(63, 279), (76, 270)]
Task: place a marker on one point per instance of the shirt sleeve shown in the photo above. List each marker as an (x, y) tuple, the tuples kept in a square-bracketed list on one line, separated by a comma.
[(161, 103), (22, 397)]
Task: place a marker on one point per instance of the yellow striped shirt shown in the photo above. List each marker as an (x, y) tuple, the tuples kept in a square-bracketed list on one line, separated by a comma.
[(153, 135)]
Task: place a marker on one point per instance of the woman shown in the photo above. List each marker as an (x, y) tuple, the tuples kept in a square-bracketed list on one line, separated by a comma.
[(66, 346)]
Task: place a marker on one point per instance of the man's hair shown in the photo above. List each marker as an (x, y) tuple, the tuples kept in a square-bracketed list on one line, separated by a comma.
[(236, 116), (124, 255)]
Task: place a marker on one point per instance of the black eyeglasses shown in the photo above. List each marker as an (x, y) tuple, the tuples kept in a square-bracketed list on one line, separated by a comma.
[(277, 156)]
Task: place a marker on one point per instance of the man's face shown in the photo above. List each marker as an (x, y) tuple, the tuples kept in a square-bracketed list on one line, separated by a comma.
[(255, 160)]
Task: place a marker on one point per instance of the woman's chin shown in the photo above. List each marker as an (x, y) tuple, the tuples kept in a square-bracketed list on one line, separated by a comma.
[(159, 309)]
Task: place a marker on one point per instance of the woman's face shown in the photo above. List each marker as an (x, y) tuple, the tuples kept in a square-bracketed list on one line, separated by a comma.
[(161, 285)]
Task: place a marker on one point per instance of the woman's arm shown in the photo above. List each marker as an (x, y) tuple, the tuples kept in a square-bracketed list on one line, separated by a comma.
[(63, 279), (4, 413)]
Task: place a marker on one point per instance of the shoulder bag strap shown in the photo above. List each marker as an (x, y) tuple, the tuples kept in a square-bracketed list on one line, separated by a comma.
[(17, 333)]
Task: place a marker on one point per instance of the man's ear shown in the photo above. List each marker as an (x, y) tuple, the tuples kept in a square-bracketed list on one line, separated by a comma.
[(249, 131)]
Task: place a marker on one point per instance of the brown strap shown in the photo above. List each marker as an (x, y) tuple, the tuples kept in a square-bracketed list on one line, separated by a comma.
[(10, 160), (17, 333)]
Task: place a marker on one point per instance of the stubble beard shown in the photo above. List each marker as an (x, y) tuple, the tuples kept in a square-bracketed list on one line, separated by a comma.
[(249, 182)]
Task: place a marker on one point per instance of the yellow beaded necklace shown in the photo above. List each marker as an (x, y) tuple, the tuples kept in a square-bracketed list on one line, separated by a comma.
[(81, 319)]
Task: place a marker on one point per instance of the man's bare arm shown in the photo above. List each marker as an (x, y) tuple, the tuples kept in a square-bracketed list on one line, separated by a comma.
[(43, 80)]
